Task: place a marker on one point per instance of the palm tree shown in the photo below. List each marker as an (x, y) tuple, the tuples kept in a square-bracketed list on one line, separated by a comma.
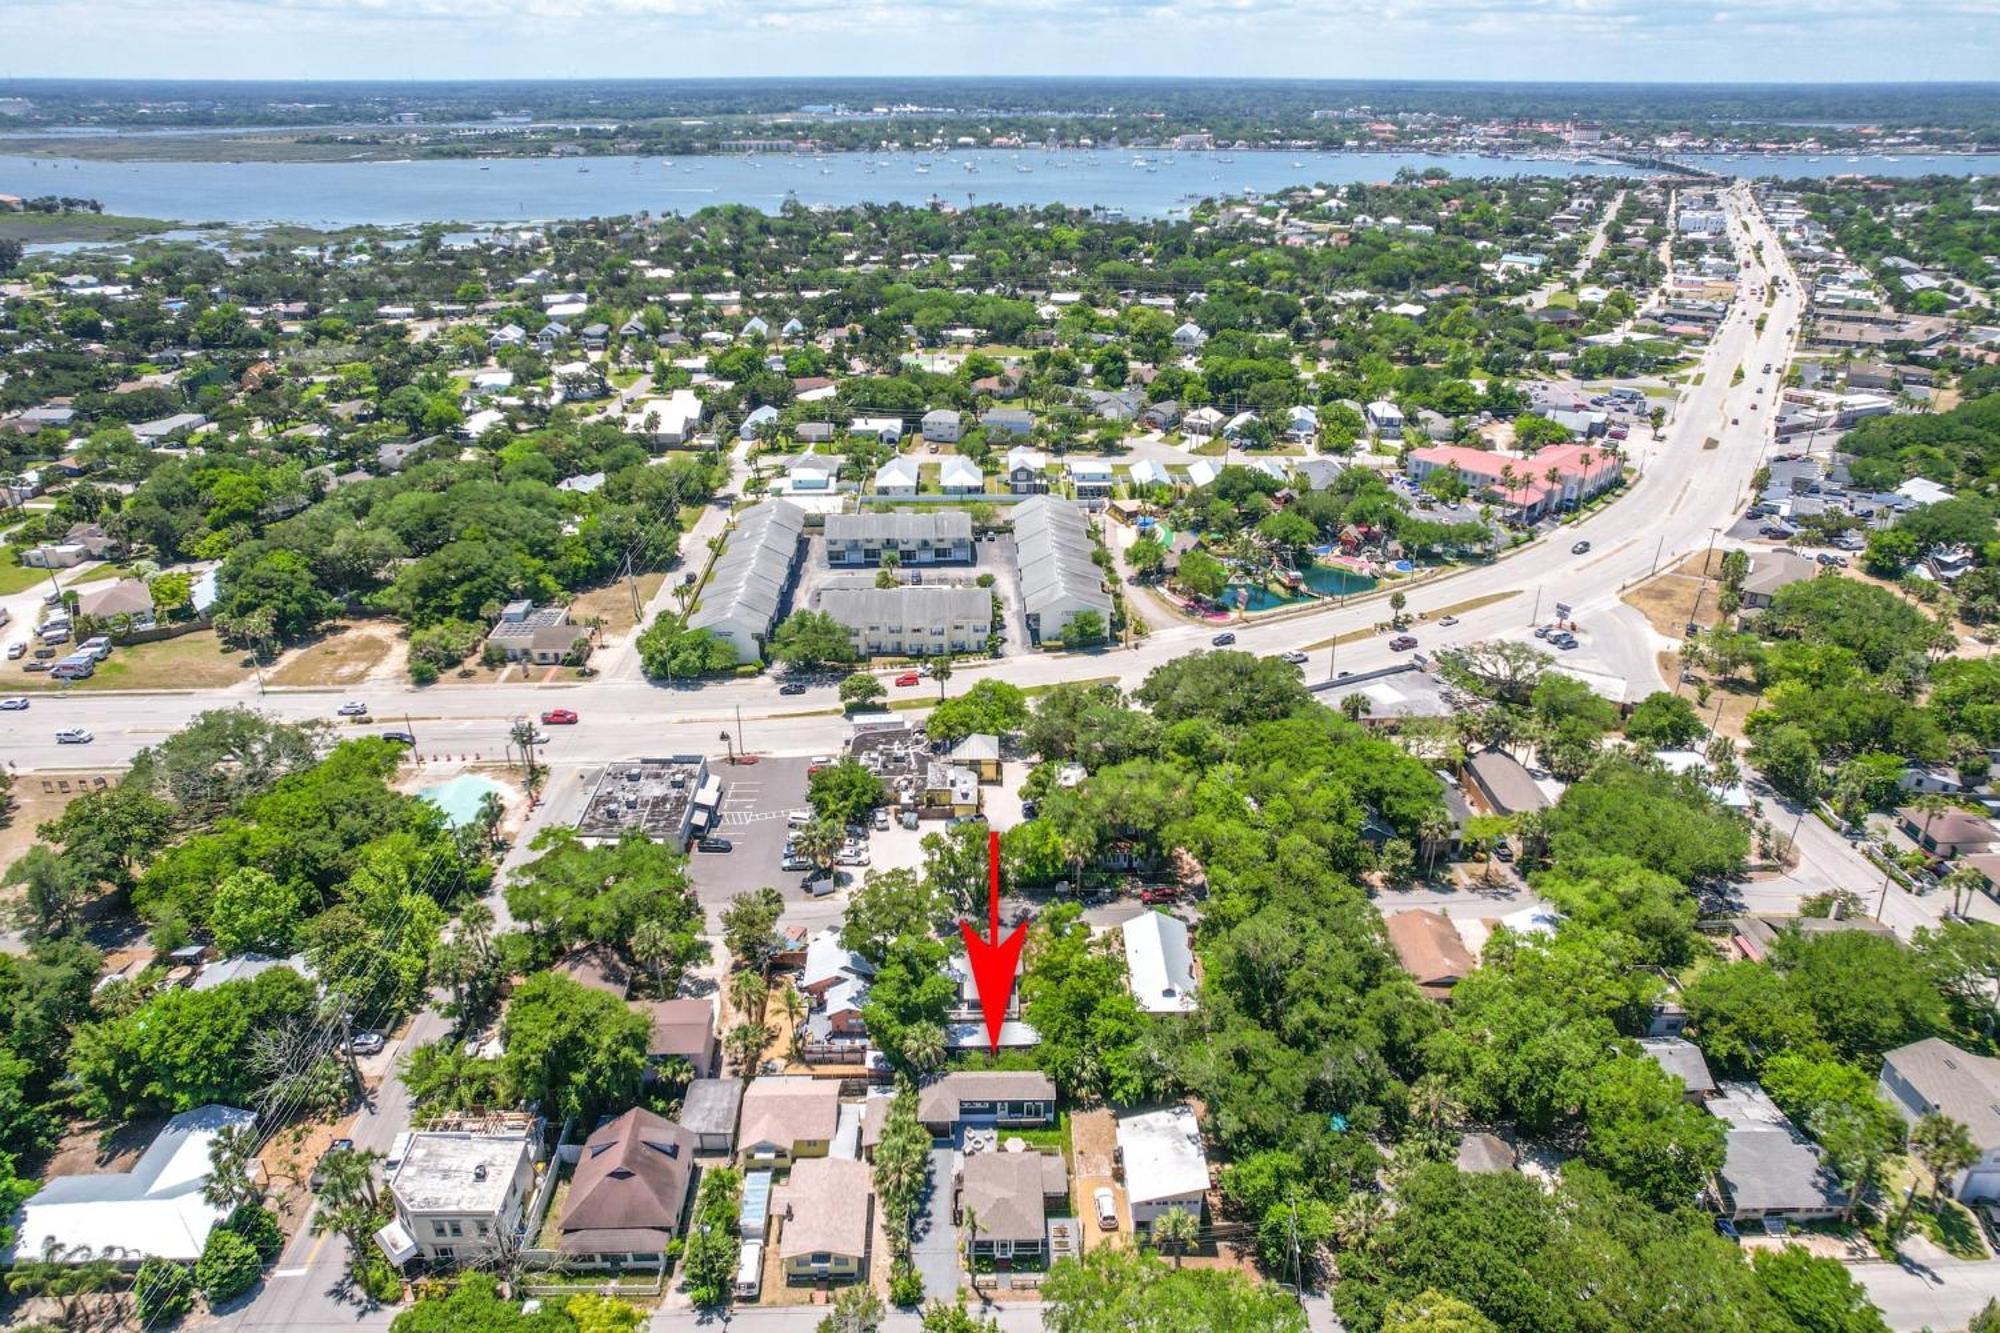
[(350, 1173), (1176, 1231), (654, 946), (820, 841), (1435, 832), (1930, 805), (941, 672), (522, 734), (1963, 881), (748, 996), (793, 1006), (1358, 1218), (1436, 1111), (924, 1047), (492, 810), (232, 1169), (744, 1043), (1944, 1146)]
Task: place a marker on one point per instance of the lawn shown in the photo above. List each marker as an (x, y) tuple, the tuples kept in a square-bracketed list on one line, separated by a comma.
[(191, 662), (17, 577)]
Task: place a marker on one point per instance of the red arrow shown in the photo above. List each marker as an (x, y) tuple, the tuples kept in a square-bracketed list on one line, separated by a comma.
[(994, 960)]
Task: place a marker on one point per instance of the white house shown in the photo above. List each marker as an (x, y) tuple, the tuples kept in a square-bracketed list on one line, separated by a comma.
[(1158, 963), (886, 429), (1385, 419), (942, 426), (156, 1208), (1165, 1166), (960, 476), (898, 476), (459, 1194), (1189, 337)]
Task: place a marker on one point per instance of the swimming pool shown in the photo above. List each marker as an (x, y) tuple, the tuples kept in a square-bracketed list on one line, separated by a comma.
[(460, 798), (1321, 581)]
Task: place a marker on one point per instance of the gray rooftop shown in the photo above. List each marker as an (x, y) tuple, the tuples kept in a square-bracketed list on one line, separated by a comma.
[(913, 604), (1681, 1058), (1052, 538), (1965, 1087), (755, 567), (943, 525)]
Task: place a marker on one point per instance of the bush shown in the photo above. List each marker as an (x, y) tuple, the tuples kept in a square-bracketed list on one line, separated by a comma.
[(906, 1285), (259, 1226), (162, 1292), (228, 1266), (379, 1278), (423, 673)]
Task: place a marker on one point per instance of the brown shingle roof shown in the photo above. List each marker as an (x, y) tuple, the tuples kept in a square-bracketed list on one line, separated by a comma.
[(1005, 1190), (633, 1177), (825, 1208), (682, 1027), (1430, 950)]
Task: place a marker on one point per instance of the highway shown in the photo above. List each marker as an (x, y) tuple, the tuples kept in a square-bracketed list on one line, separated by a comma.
[(1686, 487)]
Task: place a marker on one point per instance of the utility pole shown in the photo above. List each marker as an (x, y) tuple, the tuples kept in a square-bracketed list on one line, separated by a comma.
[(741, 739), (1658, 547), (1536, 619)]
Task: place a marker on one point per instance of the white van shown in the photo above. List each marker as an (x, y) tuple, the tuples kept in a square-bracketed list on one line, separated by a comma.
[(750, 1270), (399, 1148), (798, 819)]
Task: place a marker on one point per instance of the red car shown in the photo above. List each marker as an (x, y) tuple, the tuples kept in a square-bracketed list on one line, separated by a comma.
[(559, 717), (908, 678), (1158, 894)]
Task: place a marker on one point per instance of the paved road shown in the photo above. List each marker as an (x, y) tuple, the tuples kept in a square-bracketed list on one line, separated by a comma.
[(1686, 489), (1929, 1289)]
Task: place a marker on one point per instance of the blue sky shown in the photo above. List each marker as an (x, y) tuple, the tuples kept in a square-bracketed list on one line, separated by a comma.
[(1594, 40)]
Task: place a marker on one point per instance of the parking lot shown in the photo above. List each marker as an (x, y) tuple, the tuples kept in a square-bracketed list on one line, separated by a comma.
[(755, 800)]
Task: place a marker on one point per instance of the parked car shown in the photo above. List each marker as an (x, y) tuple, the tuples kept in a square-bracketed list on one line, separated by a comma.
[(559, 717), (318, 1177), (34, 666), (1223, 640), (1402, 643), (798, 818), (17, 704), (1105, 1204), (352, 708), (44, 654), (792, 687), (1580, 548), (715, 845), (1446, 622), (74, 736), (1774, 531), (907, 679), (367, 1043), (1831, 561), (881, 819), (1157, 894), (16, 651), (400, 737)]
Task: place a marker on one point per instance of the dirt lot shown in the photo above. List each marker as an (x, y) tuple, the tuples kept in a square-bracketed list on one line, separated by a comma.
[(1669, 599), (1092, 1136), (34, 805), (345, 653), (613, 605)]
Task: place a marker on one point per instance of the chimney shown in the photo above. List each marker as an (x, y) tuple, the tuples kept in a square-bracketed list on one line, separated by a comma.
[(479, 1171)]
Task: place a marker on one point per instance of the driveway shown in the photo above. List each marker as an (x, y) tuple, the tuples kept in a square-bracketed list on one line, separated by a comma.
[(934, 1247)]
